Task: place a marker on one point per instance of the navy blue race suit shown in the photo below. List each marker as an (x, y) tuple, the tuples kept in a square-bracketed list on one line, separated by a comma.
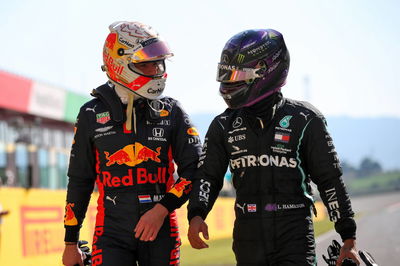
[(272, 162), (133, 171)]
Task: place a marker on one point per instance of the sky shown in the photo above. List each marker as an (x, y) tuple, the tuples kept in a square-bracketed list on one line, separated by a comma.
[(344, 53)]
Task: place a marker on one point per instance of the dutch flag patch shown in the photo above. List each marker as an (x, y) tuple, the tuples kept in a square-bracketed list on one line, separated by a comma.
[(144, 198)]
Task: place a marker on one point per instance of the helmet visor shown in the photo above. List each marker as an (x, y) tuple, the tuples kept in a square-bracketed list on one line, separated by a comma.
[(229, 73), (152, 69), (151, 50)]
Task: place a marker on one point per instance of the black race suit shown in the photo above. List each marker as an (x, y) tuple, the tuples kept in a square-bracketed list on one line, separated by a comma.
[(133, 171), (272, 163)]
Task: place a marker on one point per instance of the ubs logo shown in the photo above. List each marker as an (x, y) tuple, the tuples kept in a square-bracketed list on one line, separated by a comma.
[(158, 132), (237, 123)]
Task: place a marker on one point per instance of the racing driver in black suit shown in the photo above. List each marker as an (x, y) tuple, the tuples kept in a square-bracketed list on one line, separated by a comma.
[(127, 141), (274, 148)]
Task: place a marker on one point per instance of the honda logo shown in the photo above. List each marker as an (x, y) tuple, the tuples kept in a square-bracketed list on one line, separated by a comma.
[(158, 132)]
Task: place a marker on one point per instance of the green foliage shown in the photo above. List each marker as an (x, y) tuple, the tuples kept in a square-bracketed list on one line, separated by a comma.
[(369, 167), (375, 183)]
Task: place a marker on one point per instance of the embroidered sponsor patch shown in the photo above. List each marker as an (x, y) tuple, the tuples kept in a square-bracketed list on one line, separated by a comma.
[(270, 207), (285, 121), (103, 129), (238, 122), (164, 113), (157, 198), (282, 137), (103, 118), (69, 218), (192, 131), (182, 186)]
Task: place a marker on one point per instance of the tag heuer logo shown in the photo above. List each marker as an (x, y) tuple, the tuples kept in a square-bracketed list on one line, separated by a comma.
[(103, 118)]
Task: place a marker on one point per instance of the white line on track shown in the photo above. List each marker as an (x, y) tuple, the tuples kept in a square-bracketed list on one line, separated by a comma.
[(393, 207)]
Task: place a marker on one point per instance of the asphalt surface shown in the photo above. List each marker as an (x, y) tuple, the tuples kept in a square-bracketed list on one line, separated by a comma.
[(378, 228)]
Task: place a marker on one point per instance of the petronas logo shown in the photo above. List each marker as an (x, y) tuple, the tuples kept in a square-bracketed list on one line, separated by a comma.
[(240, 58), (285, 121)]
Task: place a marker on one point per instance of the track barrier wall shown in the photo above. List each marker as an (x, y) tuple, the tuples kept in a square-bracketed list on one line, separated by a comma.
[(33, 231)]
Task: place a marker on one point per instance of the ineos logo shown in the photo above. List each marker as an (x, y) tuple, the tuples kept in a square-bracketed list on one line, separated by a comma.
[(237, 123)]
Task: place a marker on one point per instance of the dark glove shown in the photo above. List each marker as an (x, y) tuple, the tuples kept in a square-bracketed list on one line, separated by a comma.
[(334, 251), (85, 250)]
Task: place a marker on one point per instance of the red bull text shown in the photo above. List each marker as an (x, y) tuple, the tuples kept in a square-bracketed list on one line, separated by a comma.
[(142, 176), (97, 256)]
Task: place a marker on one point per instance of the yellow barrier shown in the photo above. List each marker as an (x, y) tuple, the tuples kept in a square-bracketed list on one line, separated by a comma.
[(219, 221), (33, 232)]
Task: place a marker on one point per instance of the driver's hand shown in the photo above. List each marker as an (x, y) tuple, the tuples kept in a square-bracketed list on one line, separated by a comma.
[(150, 223), (348, 251), (72, 256), (196, 226)]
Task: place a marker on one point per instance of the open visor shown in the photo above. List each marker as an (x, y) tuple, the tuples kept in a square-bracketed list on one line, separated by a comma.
[(153, 49), (151, 69), (229, 73)]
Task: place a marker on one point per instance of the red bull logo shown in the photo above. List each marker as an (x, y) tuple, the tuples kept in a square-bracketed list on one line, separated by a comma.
[(179, 187), (132, 155), (142, 177), (69, 218)]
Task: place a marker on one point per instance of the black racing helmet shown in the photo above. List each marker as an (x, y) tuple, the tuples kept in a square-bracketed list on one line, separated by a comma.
[(254, 64)]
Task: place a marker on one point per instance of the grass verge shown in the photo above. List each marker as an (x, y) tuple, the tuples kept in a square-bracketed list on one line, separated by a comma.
[(220, 251)]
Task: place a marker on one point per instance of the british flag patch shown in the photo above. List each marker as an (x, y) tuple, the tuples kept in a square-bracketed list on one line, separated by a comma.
[(251, 207)]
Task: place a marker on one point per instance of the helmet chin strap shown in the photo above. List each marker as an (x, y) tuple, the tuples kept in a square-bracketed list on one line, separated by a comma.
[(129, 110), (122, 92), (127, 97)]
